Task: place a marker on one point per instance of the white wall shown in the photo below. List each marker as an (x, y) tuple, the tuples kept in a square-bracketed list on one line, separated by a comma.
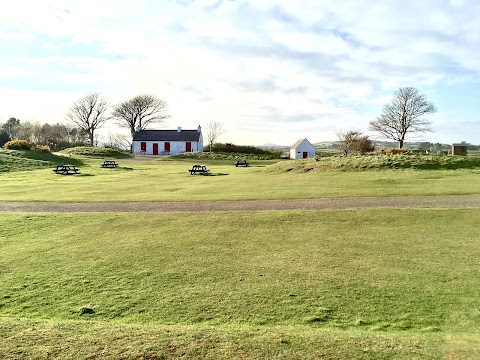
[(200, 143), (176, 147)]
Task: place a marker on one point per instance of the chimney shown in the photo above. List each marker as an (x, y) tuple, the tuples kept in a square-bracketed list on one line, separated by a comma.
[(199, 128), (138, 128), (179, 129)]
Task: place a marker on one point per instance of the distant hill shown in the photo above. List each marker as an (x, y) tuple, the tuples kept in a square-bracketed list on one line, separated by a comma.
[(274, 147), (334, 145), (271, 145), (389, 145), (326, 144)]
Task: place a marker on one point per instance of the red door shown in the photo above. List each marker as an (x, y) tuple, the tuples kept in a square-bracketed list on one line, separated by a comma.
[(167, 147), (155, 149), (188, 146), (305, 154)]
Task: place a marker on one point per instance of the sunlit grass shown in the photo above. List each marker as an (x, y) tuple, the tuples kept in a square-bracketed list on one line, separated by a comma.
[(379, 162), (34, 339), (169, 180), (97, 152), (294, 279)]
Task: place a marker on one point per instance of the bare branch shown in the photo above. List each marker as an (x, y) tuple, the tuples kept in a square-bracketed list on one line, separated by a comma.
[(354, 141), (347, 140), (214, 130), (118, 142), (89, 113), (404, 115), (140, 111)]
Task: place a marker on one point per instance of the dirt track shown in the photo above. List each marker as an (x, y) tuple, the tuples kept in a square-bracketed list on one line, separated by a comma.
[(451, 201)]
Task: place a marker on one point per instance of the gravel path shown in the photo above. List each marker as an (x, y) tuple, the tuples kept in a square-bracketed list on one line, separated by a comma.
[(451, 201)]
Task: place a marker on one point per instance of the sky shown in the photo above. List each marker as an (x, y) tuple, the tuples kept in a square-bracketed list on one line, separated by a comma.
[(272, 71)]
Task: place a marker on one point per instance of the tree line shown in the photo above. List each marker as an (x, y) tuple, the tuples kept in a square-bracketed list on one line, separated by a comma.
[(86, 115), (55, 136)]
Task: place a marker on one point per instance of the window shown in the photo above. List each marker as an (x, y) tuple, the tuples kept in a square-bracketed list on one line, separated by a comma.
[(143, 146)]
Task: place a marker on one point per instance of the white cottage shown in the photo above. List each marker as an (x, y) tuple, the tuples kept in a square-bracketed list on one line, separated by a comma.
[(302, 149), (157, 142)]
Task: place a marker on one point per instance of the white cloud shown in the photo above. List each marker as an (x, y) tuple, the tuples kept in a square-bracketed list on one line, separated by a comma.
[(272, 70)]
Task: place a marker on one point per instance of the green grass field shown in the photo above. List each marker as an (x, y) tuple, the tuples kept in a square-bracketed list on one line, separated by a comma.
[(391, 283), (169, 180), (343, 284)]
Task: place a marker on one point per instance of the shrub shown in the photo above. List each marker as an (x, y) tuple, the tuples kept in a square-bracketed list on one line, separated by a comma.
[(355, 141), (222, 156), (364, 145), (231, 148), (45, 148), (18, 145)]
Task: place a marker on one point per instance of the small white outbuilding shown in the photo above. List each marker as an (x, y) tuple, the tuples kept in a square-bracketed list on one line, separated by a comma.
[(302, 149)]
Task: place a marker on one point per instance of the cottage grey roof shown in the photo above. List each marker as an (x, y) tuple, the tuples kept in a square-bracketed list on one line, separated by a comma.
[(294, 146), (167, 135)]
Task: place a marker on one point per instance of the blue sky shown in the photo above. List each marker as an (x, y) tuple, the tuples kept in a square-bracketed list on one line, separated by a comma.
[(271, 71)]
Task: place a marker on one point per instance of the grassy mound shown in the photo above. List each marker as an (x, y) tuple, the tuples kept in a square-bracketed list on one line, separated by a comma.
[(224, 156), (375, 162), (97, 152), (20, 160)]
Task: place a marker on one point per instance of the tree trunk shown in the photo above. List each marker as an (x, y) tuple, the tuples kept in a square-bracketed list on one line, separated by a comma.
[(90, 135), (400, 144)]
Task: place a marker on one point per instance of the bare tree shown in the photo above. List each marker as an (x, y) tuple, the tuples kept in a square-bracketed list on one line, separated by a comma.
[(75, 135), (404, 115), (28, 131), (348, 140), (89, 113), (118, 141), (214, 130), (140, 111), (56, 136)]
